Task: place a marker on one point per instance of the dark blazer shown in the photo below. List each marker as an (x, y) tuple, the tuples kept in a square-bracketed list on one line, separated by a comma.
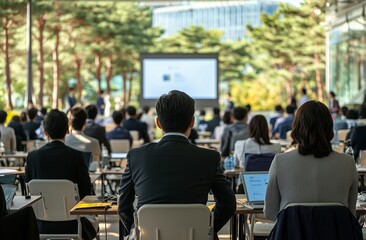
[(232, 133), (98, 132), (119, 133), (19, 134), (213, 123), (174, 171), (134, 124), (55, 160), (358, 140), (30, 128), (285, 126)]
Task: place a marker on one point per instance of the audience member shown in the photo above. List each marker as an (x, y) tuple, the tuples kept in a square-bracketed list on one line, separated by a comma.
[(131, 123), (174, 167), (100, 103), (358, 140), (95, 130), (285, 125), (351, 118), (306, 174), (229, 104), (219, 130), (258, 143), (77, 139), (249, 108), (237, 131), (23, 117), (340, 123), (202, 123), (55, 160), (304, 98), (215, 121), (31, 125), (7, 134), (119, 132), (19, 132), (333, 105), (149, 120), (41, 114), (293, 100), (273, 118)]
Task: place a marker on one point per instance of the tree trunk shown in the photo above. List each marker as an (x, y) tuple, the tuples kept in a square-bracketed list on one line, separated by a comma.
[(124, 88), (318, 77), (108, 78), (41, 24), (130, 88), (98, 70), (56, 69), (9, 104), (77, 66)]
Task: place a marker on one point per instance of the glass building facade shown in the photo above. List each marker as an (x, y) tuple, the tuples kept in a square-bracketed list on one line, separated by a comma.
[(346, 60), (231, 17)]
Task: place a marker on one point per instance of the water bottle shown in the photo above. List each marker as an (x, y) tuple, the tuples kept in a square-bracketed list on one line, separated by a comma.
[(2, 148), (229, 162), (105, 156), (349, 149)]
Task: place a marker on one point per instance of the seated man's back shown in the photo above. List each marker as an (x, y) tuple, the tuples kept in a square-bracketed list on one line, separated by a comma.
[(174, 171)]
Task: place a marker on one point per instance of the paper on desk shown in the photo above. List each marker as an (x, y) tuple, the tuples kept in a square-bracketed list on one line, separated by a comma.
[(7, 170)]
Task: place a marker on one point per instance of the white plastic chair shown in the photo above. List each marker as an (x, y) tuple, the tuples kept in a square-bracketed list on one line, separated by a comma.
[(58, 197), (342, 134), (120, 145), (174, 221)]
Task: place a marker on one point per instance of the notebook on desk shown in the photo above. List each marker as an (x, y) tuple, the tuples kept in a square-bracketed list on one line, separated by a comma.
[(255, 185)]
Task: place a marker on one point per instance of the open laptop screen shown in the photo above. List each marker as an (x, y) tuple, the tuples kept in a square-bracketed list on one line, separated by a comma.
[(255, 184)]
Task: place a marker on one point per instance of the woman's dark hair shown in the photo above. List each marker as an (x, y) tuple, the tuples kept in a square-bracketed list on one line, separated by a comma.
[(227, 118), (312, 129), (258, 129)]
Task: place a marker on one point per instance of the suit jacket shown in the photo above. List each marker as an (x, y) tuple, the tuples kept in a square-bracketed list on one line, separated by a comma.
[(19, 134), (30, 128), (230, 136), (213, 123), (134, 124), (55, 160), (285, 126), (119, 133), (98, 132), (8, 138), (79, 141), (358, 140), (174, 171)]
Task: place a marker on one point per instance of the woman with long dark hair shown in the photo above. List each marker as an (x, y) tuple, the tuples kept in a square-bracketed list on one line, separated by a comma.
[(257, 143), (312, 172)]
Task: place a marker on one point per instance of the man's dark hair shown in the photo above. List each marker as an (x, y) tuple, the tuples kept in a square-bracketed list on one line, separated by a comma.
[(56, 124), (117, 117), (312, 129), (131, 110), (332, 94), (202, 112), (78, 118), (175, 111), (290, 109), (344, 110), (352, 114), (249, 107), (303, 90), (43, 111), (3, 116), (91, 111), (146, 109), (216, 111), (278, 108), (32, 113), (239, 113)]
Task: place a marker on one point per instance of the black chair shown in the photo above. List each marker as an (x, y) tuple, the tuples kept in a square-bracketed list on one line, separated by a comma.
[(316, 222), (258, 162)]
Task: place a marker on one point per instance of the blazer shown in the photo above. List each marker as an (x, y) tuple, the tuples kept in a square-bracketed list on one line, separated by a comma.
[(358, 140), (55, 160), (79, 141), (294, 178), (134, 124), (30, 128), (174, 171), (119, 133), (19, 134), (98, 132), (8, 138), (232, 133)]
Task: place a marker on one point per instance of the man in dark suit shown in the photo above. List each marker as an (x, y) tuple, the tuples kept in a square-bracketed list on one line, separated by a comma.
[(55, 160), (215, 121), (93, 129), (31, 125), (131, 123), (174, 170), (358, 140), (119, 132)]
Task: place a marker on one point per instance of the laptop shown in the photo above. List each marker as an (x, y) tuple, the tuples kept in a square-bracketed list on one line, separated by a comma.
[(255, 186), (9, 192)]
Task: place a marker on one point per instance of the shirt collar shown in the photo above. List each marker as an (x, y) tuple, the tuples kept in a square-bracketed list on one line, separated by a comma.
[(175, 134)]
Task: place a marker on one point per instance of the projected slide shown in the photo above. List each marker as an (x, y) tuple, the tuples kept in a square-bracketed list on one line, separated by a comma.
[(196, 77)]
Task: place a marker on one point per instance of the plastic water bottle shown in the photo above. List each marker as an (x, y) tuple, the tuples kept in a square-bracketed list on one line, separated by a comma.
[(2, 148), (229, 162), (105, 156), (349, 149)]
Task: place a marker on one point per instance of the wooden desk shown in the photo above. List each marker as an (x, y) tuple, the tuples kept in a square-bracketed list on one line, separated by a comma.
[(19, 202), (207, 141), (20, 172), (15, 155)]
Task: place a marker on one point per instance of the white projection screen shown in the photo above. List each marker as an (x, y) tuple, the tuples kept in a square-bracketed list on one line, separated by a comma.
[(194, 74)]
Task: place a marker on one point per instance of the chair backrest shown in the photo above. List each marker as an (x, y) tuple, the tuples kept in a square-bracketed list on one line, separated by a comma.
[(58, 197), (135, 135), (174, 221), (342, 135), (288, 136), (87, 158), (258, 162), (316, 221), (120, 145), (362, 160)]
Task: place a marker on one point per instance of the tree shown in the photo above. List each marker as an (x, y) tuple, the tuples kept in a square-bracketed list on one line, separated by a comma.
[(10, 12)]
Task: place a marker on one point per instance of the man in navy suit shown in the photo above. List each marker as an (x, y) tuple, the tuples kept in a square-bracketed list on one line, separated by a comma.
[(131, 123), (174, 171), (358, 140), (55, 160), (118, 132)]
